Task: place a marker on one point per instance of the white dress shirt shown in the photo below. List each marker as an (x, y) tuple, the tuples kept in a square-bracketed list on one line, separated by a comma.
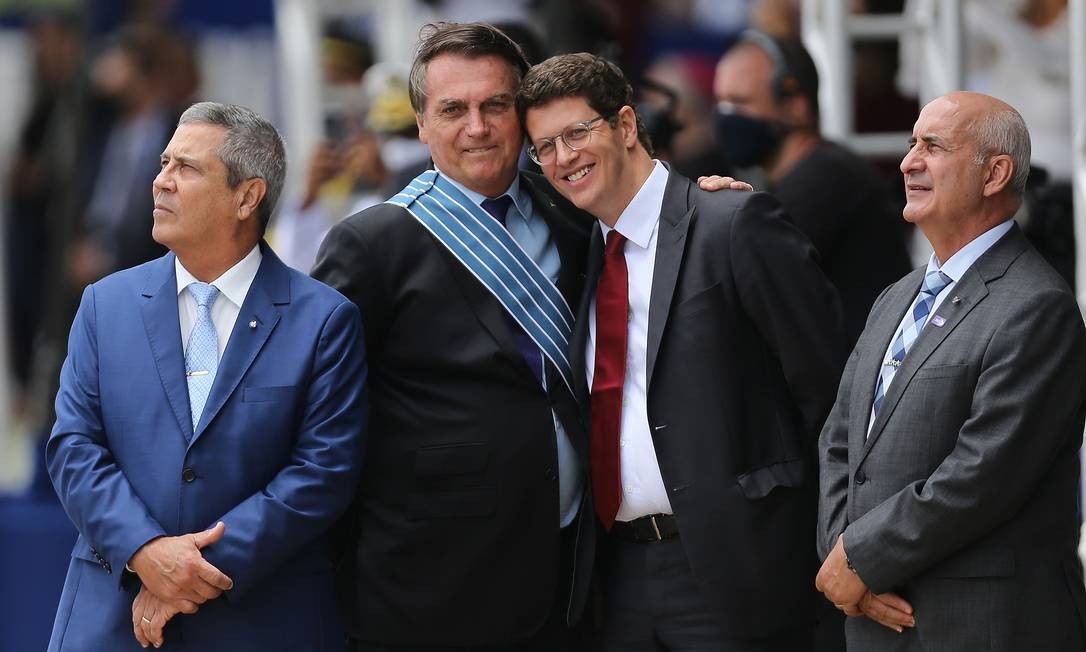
[(233, 286), (643, 491), (955, 267)]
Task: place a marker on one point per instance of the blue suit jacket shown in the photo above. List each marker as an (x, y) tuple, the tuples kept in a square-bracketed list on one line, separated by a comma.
[(275, 456)]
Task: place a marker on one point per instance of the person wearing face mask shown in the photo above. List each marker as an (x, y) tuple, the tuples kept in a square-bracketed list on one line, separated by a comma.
[(768, 117)]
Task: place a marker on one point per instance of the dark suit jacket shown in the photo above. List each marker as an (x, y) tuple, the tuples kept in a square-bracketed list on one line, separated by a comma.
[(963, 497), (274, 457), (455, 539), (840, 202), (744, 350)]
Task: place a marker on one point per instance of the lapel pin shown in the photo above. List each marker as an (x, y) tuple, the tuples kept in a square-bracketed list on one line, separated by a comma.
[(938, 321), (956, 300), (252, 324)]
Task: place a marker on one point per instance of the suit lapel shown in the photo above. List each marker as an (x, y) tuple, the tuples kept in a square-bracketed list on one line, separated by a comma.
[(270, 289), (579, 339), (963, 297), (160, 319), (675, 215), (870, 364)]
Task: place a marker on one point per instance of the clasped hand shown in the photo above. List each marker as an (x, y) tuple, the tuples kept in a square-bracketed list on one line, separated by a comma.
[(846, 590), (176, 579)]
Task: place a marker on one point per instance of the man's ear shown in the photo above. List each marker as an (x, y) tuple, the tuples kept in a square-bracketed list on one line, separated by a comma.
[(998, 175), (250, 193), (796, 111), (424, 138), (627, 123)]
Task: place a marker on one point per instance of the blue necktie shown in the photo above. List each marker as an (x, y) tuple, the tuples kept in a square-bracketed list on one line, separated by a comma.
[(934, 283), (202, 355), (532, 355)]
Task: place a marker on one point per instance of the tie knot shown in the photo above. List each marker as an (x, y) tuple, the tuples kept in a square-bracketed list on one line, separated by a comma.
[(615, 243), (204, 293), (934, 283), (498, 207)]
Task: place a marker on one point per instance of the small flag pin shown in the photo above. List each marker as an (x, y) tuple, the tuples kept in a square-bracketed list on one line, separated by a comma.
[(938, 320)]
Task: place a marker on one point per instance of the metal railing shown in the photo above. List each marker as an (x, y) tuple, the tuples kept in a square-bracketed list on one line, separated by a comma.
[(829, 31)]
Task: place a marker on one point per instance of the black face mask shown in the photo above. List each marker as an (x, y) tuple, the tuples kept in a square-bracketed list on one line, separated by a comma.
[(745, 141)]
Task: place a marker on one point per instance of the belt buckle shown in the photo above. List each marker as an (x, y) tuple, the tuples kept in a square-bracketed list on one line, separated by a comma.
[(652, 519)]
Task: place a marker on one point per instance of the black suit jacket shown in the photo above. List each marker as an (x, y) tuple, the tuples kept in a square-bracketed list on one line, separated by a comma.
[(745, 348), (455, 535)]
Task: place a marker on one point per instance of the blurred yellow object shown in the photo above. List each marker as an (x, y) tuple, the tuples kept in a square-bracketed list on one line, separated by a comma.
[(391, 109)]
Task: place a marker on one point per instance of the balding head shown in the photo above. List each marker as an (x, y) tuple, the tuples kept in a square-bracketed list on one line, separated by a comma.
[(997, 129), (966, 168)]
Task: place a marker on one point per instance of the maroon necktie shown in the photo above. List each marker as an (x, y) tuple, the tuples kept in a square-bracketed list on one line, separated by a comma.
[(612, 315)]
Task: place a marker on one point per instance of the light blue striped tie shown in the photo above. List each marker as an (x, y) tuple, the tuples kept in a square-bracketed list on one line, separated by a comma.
[(202, 356), (934, 283)]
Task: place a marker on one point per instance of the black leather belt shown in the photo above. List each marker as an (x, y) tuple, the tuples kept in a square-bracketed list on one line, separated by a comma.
[(655, 527)]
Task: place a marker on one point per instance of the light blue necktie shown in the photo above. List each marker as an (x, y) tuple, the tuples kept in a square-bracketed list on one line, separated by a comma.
[(934, 283), (202, 356)]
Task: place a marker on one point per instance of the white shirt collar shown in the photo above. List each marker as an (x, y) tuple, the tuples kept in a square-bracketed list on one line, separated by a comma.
[(640, 217), (520, 201), (233, 283), (963, 259)]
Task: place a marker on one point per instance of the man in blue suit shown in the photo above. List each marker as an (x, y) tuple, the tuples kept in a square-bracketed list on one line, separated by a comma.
[(209, 420)]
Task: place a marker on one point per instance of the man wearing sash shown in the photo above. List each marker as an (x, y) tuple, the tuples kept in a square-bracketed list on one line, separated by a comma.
[(707, 348), (469, 528)]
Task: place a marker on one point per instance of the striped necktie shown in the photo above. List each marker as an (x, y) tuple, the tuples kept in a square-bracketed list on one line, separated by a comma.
[(934, 283)]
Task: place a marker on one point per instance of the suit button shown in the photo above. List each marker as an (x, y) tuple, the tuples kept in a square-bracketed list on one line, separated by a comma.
[(551, 475), (861, 477), (188, 475)]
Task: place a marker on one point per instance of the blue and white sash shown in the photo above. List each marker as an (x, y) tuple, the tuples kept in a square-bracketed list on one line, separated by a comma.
[(487, 250)]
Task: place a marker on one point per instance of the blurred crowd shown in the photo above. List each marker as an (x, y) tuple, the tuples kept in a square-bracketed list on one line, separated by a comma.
[(716, 98)]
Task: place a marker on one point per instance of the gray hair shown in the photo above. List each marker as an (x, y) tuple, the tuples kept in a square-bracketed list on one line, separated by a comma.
[(250, 149), (1004, 132), (471, 40)]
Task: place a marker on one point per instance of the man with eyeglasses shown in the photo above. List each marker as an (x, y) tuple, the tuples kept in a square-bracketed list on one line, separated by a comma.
[(470, 528), (706, 352)]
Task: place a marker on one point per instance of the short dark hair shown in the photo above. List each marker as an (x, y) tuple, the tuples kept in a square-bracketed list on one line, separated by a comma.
[(600, 82), (471, 40), (794, 71), (250, 149)]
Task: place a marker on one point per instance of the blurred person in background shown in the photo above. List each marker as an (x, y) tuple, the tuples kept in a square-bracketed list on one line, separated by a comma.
[(42, 173), (129, 77), (675, 101), (370, 158), (769, 117)]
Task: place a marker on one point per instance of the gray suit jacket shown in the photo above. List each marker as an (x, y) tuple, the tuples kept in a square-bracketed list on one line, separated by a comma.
[(963, 497)]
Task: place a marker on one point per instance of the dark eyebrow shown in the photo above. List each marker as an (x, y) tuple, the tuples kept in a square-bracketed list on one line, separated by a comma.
[(449, 102)]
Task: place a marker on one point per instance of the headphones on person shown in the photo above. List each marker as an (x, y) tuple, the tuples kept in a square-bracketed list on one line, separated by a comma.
[(784, 82)]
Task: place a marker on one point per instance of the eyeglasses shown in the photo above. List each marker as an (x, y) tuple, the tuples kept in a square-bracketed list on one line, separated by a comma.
[(575, 136)]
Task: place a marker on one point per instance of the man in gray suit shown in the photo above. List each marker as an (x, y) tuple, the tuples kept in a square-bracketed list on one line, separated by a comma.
[(949, 463)]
